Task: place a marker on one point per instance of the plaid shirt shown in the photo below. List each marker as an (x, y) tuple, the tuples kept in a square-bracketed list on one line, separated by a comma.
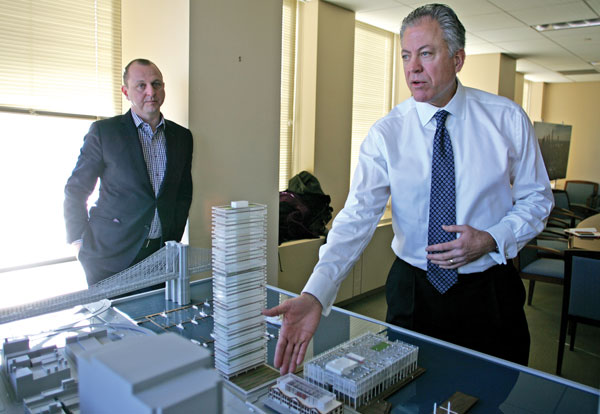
[(155, 154)]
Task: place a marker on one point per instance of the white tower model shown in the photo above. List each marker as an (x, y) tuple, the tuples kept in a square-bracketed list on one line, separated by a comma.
[(239, 267)]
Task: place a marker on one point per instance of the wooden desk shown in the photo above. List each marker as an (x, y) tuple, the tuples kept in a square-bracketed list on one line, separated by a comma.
[(588, 244)]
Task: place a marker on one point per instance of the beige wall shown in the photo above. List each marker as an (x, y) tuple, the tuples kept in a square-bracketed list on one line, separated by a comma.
[(235, 71), (536, 101), (576, 104), (519, 84), (144, 35), (494, 73), (333, 121), (324, 90)]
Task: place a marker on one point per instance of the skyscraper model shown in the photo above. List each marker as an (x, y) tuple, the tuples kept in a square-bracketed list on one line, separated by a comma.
[(239, 260)]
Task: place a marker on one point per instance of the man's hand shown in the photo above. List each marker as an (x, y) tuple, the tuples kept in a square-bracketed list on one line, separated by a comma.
[(470, 246), (301, 317)]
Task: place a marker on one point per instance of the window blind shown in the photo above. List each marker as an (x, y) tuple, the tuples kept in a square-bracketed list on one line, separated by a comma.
[(288, 64), (61, 56), (373, 82)]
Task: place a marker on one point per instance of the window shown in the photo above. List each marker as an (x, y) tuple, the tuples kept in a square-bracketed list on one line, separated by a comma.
[(288, 72), (60, 68), (373, 82)]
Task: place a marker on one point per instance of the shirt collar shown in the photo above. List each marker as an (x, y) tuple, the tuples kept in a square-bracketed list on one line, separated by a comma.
[(456, 106), (138, 121)]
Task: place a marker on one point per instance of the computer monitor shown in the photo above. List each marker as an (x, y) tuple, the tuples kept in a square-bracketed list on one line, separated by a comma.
[(554, 140)]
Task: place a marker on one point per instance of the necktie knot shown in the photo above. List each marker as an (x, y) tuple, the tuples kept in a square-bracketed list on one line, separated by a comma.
[(440, 117)]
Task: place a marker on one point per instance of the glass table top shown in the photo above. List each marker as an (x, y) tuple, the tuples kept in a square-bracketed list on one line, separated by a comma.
[(500, 386)]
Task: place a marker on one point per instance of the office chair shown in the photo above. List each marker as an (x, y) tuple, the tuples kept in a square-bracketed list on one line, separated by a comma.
[(562, 214), (583, 196), (580, 296), (541, 260)]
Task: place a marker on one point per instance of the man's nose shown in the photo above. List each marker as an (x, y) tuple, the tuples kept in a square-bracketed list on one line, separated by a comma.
[(413, 65)]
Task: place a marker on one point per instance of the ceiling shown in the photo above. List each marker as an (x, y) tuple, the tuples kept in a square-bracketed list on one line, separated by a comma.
[(504, 26)]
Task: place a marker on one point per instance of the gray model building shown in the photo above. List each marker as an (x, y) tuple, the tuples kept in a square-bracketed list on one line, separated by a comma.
[(32, 371), (64, 399), (156, 374)]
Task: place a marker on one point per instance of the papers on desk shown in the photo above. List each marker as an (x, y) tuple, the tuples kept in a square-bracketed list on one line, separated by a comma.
[(584, 233)]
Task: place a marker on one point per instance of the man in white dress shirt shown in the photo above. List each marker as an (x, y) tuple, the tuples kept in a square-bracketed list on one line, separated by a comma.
[(502, 201)]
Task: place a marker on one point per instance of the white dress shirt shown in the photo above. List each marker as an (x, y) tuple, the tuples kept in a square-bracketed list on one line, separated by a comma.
[(501, 185)]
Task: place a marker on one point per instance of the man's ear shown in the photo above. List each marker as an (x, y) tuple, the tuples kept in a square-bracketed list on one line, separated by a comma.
[(125, 92), (459, 60)]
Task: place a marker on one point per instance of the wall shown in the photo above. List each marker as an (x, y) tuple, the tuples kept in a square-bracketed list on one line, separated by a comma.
[(576, 104), (324, 89), (144, 35), (235, 71), (481, 72), (519, 84), (494, 73), (536, 101)]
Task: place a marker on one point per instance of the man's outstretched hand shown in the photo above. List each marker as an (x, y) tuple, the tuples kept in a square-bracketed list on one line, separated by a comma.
[(301, 317)]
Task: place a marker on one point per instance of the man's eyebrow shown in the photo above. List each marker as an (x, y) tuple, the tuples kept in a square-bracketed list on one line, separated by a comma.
[(419, 49)]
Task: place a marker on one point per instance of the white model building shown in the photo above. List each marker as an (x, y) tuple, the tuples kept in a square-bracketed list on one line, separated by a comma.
[(148, 375), (239, 261), (358, 370), (292, 394)]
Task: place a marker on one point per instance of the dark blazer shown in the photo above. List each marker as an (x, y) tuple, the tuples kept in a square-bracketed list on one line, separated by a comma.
[(116, 227)]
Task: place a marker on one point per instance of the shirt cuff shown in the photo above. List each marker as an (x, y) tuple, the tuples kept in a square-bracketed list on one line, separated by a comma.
[(322, 288), (505, 242)]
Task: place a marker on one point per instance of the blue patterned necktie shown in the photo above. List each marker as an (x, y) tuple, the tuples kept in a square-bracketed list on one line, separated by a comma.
[(442, 203)]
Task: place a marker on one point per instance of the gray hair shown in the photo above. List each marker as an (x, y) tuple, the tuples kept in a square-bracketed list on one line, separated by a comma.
[(452, 29)]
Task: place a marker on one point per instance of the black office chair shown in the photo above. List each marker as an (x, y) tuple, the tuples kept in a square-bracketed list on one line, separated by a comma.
[(581, 295), (542, 261)]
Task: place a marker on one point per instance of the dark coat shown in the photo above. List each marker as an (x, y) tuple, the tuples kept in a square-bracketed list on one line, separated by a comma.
[(118, 224)]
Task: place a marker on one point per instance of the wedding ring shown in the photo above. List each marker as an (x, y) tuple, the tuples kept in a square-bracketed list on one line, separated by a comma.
[(451, 261)]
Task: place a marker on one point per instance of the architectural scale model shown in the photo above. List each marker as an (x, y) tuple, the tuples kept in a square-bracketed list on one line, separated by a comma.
[(292, 394), (64, 399), (447, 409), (358, 370), (239, 261), (32, 371), (174, 262), (149, 374)]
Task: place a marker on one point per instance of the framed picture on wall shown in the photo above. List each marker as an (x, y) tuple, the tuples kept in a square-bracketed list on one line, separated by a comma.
[(555, 141)]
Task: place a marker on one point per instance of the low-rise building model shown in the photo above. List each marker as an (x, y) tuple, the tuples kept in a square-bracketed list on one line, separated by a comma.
[(293, 394), (32, 371), (149, 374), (358, 370)]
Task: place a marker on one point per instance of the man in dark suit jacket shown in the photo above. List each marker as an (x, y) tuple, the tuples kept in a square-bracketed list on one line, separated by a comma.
[(143, 162)]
